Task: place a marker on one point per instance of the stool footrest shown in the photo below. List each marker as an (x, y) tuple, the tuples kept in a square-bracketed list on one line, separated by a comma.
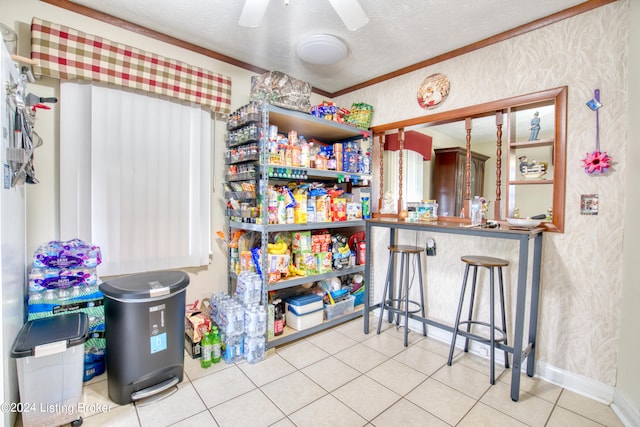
[(477, 337), (388, 306)]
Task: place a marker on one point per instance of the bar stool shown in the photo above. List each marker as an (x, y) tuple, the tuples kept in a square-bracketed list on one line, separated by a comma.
[(400, 304), (490, 263)]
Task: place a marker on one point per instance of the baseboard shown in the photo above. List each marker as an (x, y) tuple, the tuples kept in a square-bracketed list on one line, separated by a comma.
[(577, 383), (625, 411)]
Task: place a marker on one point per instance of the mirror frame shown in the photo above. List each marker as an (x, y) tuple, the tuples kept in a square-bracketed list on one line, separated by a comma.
[(501, 109)]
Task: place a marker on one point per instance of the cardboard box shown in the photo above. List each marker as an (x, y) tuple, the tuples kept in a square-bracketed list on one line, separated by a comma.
[(301, 241), (278, 267), (354, 211), (193, 348), (339, 209), (323, 262), (320, 243), (305, 261), (196, 325)]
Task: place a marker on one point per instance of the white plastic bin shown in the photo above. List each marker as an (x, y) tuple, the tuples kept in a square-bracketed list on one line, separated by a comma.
[(303, 311), (50, 363)]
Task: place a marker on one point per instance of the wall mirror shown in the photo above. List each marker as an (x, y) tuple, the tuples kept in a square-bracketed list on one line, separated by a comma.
[(511, 152)]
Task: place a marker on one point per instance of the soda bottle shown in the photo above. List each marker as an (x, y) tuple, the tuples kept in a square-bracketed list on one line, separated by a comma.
[(207, 347), (216, 344), (278, 327)]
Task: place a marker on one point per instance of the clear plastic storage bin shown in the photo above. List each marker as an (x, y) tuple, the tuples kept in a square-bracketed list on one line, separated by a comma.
[(339, 308), (50, 363)]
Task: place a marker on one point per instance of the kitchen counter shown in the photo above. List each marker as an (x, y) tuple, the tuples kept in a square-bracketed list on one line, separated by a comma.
[(526, 238)]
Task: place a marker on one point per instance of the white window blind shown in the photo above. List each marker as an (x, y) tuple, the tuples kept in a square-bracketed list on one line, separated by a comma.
[(412, 169), (135, 178)]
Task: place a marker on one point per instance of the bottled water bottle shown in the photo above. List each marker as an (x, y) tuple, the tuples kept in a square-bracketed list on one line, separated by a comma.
[(476, 211)]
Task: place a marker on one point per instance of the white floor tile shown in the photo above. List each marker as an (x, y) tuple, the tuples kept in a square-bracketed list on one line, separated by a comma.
[(203, 419), (302, 353), (367, 397), (441, 400), (396, 376), (222, 386), (529, 409), (561, 417), (589, 408), (270, 369), (327, 412), (293, 392), (405, 413), (331, 373), (463, 379), (332, 341), (483, 415), (421, 360), (361, 357), (252, 409), (179, 406)]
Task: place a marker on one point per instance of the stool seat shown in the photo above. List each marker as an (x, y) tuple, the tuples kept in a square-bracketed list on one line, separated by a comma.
[(406, 249), (484, 261)]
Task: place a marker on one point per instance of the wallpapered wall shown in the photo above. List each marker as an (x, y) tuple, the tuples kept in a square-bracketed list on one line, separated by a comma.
[(581, 275)]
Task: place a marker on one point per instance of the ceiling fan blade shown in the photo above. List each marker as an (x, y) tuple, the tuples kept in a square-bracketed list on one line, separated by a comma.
[(350, 12), (252, 13)]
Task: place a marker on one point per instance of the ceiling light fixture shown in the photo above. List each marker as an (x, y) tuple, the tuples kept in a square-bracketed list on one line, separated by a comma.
[(321, 49)]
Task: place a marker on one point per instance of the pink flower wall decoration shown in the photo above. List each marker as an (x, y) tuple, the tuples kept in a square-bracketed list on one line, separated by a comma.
[(596, 162)]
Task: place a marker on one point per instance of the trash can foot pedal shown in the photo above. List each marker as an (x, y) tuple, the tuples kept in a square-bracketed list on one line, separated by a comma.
[(155, 392)]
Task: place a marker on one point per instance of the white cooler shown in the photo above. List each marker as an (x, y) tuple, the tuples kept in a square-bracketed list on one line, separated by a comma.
[(304, 311), (50, 362)]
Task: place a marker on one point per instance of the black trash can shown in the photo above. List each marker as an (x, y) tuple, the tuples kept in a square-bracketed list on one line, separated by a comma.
[(144, 330)]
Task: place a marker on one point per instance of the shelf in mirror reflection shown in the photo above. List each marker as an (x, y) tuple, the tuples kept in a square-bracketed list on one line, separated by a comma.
[(530, 181)]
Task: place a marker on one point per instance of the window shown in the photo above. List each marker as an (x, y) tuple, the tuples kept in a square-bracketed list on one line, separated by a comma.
[(135, 178), (412, 182)]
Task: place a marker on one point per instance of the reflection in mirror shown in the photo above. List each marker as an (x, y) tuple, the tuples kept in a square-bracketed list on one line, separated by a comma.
[(531, 137), (524, 172)]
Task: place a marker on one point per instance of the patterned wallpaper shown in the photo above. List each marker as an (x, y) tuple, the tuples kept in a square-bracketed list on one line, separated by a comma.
[(582, 268)]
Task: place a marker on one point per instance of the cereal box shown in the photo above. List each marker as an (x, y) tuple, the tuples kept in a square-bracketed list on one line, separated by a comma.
[(320, 243), (301, 241), (305, 261), (354, 211), (323, 262), (339, 209), (246, 261)]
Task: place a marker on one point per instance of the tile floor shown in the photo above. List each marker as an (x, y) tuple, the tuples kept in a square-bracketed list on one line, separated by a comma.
[(342, 377)]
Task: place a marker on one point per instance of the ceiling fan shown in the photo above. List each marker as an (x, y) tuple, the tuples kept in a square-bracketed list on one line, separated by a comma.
[(349, 11)]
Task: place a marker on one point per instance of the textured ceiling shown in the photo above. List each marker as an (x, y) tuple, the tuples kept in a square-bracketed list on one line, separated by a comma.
[(399, 33)]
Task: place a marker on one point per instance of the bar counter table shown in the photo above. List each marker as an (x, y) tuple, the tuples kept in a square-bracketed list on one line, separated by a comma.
[(519, 350)]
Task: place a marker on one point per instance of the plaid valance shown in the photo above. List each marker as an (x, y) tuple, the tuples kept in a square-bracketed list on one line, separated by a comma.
[(68, 54)]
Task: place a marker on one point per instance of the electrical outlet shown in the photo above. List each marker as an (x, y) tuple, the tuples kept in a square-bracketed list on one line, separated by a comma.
[(431, 247)]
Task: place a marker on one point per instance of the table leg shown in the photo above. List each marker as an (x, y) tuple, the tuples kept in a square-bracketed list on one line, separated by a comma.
[(519, 323), (367, 275), (392, 274), (535, 298)]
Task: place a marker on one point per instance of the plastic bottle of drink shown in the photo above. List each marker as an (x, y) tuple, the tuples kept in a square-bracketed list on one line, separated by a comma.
[(278, 328), (216, 345), (476, 211), (207, 347)]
